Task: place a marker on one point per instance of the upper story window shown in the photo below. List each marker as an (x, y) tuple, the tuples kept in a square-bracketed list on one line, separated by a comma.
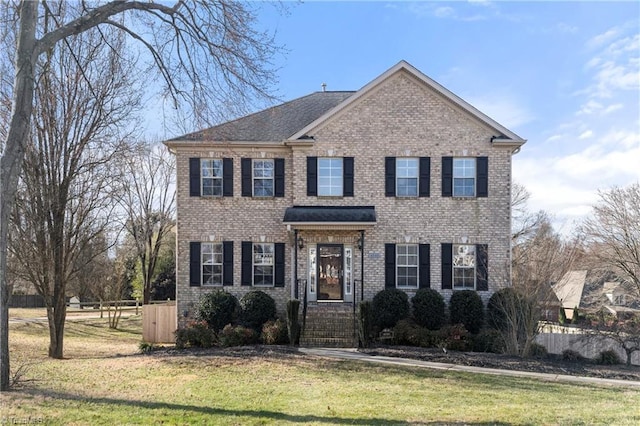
[(464, 177), (407, 177), (211, 177), (407, 265), (263, 264), (211, 263), (263, 178), (330, 176), (464, 266)]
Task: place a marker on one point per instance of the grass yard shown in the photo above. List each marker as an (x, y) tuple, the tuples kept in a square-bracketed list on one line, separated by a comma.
[(104, 380)]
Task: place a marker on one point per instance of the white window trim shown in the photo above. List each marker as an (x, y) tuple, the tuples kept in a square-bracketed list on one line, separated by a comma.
[(254, 264), (416, 266), (453, 177), (331, 177), (213, 178), (213, 263), (254, 178), (454, 267), (417, 177), (348, 270), (312, 266)]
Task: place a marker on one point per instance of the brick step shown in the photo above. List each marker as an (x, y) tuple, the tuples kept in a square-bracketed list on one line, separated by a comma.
[(329, 325), (328, 343)]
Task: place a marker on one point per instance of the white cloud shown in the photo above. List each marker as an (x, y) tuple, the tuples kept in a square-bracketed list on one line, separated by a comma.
[(612, 108), (444, 12), (504, 109), (586, 134)]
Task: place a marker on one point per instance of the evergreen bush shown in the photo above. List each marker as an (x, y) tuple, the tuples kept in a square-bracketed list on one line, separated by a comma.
[(293, 324), (466, 308), (237, 336), (195, 334), (257, 307), (217, 308), (390, 306), (429, 308), (364, 323)]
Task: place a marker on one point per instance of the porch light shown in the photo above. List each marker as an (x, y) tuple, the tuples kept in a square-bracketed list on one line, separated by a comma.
[(300, 243)]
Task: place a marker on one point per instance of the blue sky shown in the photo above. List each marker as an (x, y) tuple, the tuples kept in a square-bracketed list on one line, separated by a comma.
[(563, 75)]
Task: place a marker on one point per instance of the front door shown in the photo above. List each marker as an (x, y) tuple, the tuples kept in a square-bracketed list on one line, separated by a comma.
[(330, 271)]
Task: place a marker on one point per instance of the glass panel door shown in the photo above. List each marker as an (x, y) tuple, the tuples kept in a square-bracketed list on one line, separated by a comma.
[(330, 272)]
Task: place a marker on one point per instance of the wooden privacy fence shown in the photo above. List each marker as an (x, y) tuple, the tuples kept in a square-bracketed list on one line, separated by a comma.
[(159, 322), (558, 342)]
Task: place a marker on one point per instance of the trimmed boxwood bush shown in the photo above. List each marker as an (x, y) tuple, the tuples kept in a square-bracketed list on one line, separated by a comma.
[(195, 334), (257, 307), (390, 306), (466, 308), (217, 309), (364, 323), (238, 336), (429, 308)]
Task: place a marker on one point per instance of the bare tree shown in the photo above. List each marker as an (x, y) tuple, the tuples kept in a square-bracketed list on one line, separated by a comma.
[(206, 53), (148, 202), (83, 102)]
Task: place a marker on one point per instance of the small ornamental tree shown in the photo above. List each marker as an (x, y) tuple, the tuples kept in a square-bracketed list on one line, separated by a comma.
[(466, 308), (429, 308), (390, 306)]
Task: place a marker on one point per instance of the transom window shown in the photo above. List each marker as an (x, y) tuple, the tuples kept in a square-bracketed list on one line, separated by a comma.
[(211, 263), (211, 177), (263, 178), (330, 177), (464, 266), (464, 177), (407, 265), (262, 264), (407, 177)]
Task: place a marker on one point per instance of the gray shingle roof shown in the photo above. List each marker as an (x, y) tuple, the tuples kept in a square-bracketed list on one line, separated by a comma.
[(330, 214), (272, 124)]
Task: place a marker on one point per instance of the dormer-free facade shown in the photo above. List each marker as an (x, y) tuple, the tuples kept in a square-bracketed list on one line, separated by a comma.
[(336, 195)]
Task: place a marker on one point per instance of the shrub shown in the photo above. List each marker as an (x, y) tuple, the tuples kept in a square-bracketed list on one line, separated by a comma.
[(571, 355), (389, 306), (429, 308), (488, 340), (195, 334), (364, 323), (146, 347), (501, 303), (407, 332), (257, 307), (293, 325), (608, 357), (237, 336), (537, 350), (274, 333), (465, 307), (454, 337), (218, 308)]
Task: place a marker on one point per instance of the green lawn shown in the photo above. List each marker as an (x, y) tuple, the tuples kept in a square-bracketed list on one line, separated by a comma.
[(105, 381)]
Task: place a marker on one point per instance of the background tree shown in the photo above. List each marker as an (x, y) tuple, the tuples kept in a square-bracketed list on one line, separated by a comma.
[(206, 54), (84, 99), (148, 201)]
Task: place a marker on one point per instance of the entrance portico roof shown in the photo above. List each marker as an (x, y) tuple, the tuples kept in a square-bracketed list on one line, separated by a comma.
[(330, 217)]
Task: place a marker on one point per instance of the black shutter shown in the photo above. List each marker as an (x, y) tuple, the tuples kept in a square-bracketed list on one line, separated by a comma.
[(278, 165), (424, 259), (247, 264), (447, 176), (227, 177), (227, 263), (482, 259), (425, 177), (195, 270), (447, 265), (279, 265), (347, 177), (312, 176), (482, 177), (390, 176), (389, 265), (245, 166), (194, 177)]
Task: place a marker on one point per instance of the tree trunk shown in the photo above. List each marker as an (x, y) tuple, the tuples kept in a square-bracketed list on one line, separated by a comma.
[(12, 159), (57, 314)]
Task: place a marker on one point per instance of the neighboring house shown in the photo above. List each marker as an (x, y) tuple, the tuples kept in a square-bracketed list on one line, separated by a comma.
[(336, 195), (569, 291)]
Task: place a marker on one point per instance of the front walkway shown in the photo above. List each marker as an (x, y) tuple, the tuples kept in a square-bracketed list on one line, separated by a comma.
[(353, 354)]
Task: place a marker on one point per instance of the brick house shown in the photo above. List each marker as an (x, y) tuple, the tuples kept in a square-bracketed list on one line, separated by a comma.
[(336, 195)]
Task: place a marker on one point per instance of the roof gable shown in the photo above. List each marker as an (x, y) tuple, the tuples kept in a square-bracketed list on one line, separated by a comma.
[(503, 136)]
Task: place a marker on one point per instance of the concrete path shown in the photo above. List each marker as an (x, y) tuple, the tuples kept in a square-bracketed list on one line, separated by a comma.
[(353, 354)]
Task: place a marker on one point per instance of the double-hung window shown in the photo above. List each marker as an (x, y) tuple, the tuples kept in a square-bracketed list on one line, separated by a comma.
[(263, 173), (211, 263), (211, 174), (407, 265), (464, 177), (263, 261), (464, 266), (407, 177), (330, 177)]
